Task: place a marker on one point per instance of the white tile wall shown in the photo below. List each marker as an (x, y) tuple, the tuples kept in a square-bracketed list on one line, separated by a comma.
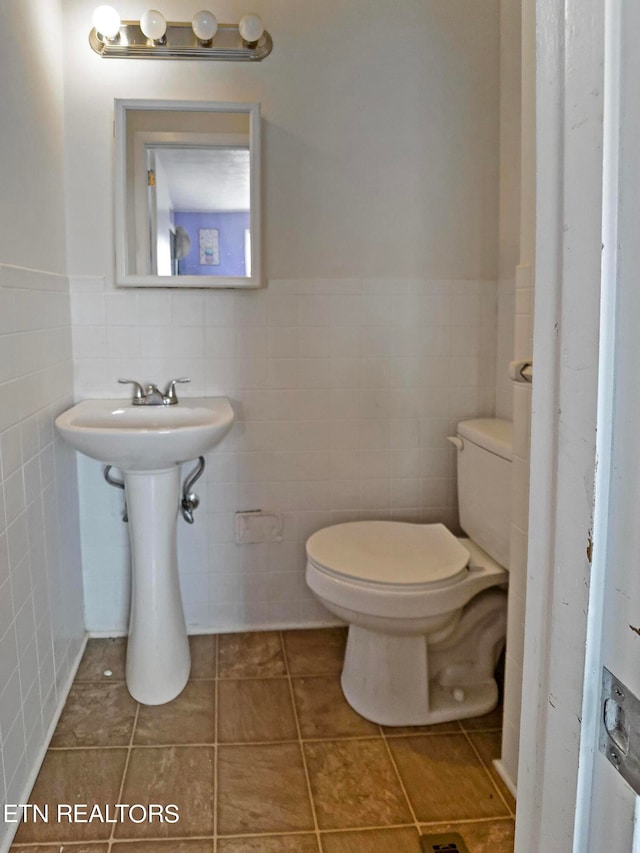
[(505, 344), (41, 617), (344, 392)]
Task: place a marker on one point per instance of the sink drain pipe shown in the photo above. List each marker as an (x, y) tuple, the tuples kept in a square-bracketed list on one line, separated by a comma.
[(119, 485), (190, 501)]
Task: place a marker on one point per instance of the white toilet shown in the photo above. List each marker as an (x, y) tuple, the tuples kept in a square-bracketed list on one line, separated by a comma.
[(426, 610)]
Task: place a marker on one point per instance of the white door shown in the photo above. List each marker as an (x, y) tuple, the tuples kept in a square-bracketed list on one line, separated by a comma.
[(583, 593), (605, 820)]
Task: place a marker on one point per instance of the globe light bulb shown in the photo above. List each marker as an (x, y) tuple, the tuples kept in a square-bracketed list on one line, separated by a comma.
[(153, 24), (205, 25), (251, 27), (106, 22)]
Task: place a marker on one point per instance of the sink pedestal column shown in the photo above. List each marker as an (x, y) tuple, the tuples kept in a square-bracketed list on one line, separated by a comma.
[(158, 659)]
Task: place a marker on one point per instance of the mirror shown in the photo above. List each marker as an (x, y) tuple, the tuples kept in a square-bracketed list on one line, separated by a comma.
[(187, 195)]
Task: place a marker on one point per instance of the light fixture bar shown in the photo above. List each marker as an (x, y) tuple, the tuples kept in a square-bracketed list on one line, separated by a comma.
[(181, 43)]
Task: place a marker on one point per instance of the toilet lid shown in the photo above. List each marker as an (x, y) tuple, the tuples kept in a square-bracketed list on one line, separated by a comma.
[(389, 552)]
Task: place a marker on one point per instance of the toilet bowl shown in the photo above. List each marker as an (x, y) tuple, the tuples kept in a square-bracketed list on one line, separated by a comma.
[(426, 610)]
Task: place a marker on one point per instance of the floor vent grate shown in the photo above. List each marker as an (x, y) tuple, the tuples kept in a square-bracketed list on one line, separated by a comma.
[(448, 842)]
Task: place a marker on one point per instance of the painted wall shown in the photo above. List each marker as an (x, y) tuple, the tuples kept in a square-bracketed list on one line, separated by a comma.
[(376, 163), (41, 610), (376, 332), (231, 228)]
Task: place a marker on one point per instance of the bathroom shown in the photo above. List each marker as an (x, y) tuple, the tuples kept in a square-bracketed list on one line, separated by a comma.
[(397, 255)]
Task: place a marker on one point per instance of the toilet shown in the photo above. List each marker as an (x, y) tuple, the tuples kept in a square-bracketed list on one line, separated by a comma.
[(426, 610)]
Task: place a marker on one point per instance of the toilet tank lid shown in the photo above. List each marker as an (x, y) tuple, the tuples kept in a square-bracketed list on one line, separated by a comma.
[(492, 434)]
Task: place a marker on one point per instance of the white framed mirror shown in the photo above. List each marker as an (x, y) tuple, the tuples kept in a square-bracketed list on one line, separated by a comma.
[(187, 194)]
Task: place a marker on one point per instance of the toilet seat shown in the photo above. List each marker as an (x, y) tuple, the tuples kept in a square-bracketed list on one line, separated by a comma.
[(390, 554), (344, 569)]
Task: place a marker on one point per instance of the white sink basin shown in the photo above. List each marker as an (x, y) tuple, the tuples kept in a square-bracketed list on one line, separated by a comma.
[(148, 444), (146, 438)]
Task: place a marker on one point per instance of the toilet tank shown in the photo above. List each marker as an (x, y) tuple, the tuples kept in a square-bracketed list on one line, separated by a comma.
[(484, 484)]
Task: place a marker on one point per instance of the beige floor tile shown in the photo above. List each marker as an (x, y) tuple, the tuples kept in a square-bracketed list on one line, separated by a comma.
[(269, 844), (101, 655), (317, 651), (487, 722), (74, 776), (96, 715), (16, 848), (77, 848), (354, 784), (324, 712), (256, 654), (203, 656), (262, 789), (451, 728), (189, 718), (492, 836), (183, 775), (371, 841), (83, 848), (158, 846), (444, 778), (253, 710), (489, 746)]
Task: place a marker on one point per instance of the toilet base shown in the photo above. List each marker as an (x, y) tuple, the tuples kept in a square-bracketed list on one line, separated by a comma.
[(385, 680)]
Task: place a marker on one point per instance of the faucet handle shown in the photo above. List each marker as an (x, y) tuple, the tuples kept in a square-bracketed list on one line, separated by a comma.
[(138, 390), (170, 393)]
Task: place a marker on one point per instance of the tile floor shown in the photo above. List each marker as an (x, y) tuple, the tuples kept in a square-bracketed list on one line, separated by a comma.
[(262, 755)]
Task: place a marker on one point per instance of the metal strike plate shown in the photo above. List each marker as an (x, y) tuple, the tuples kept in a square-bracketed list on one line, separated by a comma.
[(449, 842), (620, 728)]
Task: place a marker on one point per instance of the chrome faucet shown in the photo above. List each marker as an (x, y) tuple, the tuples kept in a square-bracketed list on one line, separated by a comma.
[(152, 395)]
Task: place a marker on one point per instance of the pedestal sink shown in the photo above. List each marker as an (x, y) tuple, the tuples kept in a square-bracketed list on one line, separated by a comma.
[(148, 444)]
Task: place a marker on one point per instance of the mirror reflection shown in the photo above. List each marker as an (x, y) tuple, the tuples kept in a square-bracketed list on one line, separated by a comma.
[(198, 210), (188, 194)]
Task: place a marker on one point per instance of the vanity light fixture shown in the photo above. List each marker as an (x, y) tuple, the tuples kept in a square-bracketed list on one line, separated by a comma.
[(154, 26), (106, 22), (204, 26), (155, 38), (251, 28)]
